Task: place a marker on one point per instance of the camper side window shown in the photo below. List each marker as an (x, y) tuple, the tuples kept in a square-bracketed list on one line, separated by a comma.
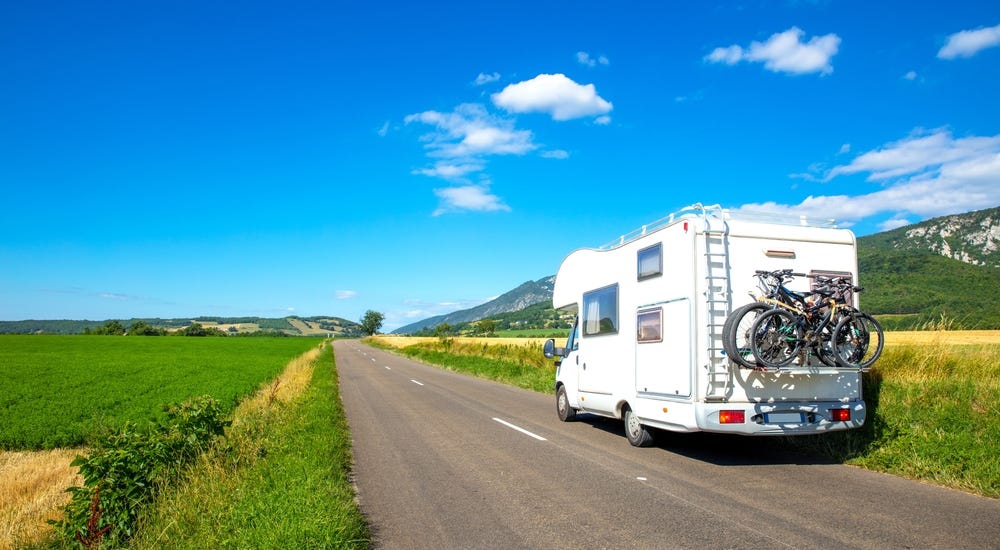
[(650, 261), (650, 325), (600, 311)]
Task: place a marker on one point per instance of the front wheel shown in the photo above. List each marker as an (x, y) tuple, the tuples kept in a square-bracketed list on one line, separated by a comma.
[(858, 341), (565, 412), (637, 434)]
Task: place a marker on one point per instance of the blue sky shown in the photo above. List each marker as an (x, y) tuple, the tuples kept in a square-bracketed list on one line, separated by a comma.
[(178, 159)]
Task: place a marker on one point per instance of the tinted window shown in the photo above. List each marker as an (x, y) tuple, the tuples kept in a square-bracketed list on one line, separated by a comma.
[(651, 261)]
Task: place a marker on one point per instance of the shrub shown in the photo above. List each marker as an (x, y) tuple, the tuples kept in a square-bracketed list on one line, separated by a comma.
[(122, 474)]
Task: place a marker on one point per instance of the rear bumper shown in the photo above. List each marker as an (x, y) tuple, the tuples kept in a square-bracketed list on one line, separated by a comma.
[(797, 418)]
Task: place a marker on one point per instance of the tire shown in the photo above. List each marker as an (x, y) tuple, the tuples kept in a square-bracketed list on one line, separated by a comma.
[(736, 330), (637, 434), (858, 341), (563, 410), (775, 339)]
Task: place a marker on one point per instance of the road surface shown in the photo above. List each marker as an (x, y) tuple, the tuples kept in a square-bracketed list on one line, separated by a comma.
[(444, 460)]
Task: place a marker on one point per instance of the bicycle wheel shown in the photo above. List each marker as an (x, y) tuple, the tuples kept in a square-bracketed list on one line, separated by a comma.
[(775, 339), (736, 333), (858, 341)]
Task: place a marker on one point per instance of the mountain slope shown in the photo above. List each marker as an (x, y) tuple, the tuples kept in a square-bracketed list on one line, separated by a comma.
[(973, 238), (527, 294)]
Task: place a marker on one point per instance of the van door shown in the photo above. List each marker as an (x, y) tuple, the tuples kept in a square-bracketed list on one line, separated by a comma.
[(663, 354)]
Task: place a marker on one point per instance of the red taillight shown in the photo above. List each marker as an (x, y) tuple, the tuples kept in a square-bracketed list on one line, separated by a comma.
[(731, 417), (840, 415)]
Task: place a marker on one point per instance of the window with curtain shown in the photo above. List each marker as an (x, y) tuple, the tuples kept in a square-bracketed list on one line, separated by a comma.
[(600, 311)]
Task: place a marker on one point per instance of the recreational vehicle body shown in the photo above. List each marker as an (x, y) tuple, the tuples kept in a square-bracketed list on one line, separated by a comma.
[(647, 345)]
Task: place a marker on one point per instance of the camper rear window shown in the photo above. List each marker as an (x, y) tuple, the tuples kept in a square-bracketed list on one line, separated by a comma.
[(600, 311), (651, 261)]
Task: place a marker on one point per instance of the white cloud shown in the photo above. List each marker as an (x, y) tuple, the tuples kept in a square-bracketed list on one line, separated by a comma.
[(969, 43), (470, 131), (844, 149), (603, 120), (555, 154), (584, 58), (451, 170), (894, 223), (925, 174), (345, 294), (784, 52), (468, 197), (555, 94), (484, 78), (910, 75), (384, 130)]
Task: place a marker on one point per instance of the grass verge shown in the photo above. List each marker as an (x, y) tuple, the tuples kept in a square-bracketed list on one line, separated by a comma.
[(280, 480)]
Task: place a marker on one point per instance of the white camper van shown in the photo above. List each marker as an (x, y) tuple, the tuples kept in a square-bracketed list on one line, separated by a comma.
[(647, 342)]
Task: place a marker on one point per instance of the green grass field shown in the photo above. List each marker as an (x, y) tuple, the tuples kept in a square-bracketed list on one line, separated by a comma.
[(60, 391)]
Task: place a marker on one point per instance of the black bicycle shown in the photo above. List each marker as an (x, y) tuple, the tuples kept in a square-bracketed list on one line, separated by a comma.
[(774, 294), (830, 328)]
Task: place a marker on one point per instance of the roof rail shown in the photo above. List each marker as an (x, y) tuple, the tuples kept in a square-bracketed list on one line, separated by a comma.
[(698, 210)]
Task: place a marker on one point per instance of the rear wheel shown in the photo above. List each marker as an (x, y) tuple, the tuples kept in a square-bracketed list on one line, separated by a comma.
[(637, 434), (736, 332), (565, 412), (775, 339)]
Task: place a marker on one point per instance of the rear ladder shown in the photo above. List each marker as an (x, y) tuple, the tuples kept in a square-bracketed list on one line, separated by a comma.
[(718, 294)]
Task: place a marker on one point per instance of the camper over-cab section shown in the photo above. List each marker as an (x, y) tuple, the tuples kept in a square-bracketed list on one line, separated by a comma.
[(650, 307)]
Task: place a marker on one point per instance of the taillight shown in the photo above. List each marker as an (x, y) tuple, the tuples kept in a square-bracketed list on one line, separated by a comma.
[(731, 417), (840, 415)]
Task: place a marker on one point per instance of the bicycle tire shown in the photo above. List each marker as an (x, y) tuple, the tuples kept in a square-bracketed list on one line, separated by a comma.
[(736, 332), (859, 340), (775, 339)]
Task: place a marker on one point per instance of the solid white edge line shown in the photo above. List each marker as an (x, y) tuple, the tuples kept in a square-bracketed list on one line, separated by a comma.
[(415, 382), (522, 430)]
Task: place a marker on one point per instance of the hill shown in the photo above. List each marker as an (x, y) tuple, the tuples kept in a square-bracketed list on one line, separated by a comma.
[(944, 270), (527, 294), (292, 326)]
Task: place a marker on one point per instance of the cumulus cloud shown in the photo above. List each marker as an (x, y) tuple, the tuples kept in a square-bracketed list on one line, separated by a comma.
[(476, 198), (584, 58), (969, 43), (784, 52), (484, 78), (345, 294), (554, 94), (451, 170), (926, 174), (555, 154)]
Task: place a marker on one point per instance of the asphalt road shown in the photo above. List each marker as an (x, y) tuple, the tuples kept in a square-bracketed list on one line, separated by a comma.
[(443, 460)]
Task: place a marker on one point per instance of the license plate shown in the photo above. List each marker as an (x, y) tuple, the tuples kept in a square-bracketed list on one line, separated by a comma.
[(783, 418)]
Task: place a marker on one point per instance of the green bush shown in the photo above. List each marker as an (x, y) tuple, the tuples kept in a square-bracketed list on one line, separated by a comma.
[(123, 473)]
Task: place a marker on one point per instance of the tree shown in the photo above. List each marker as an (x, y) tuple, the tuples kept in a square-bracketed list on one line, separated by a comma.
[(442, 330), (372, 322), (487, 327)]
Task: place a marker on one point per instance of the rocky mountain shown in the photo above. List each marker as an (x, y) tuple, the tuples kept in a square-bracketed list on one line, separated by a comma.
[(973, 238), (527, 294)]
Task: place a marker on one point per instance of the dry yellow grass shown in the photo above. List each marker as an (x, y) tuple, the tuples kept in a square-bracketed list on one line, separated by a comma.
[(32, 491), (33, 483), (943, 337)]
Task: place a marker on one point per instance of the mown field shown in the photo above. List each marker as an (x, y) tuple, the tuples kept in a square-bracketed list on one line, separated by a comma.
[(62, 391)]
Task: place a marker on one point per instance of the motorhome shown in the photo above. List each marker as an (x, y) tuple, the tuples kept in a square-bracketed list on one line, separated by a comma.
[(646, 345)]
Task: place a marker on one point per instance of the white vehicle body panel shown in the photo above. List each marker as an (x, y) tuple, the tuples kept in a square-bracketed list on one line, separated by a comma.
[(674, 376)]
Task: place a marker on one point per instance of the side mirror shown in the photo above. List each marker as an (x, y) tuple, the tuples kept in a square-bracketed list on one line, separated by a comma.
[(550, 350)]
